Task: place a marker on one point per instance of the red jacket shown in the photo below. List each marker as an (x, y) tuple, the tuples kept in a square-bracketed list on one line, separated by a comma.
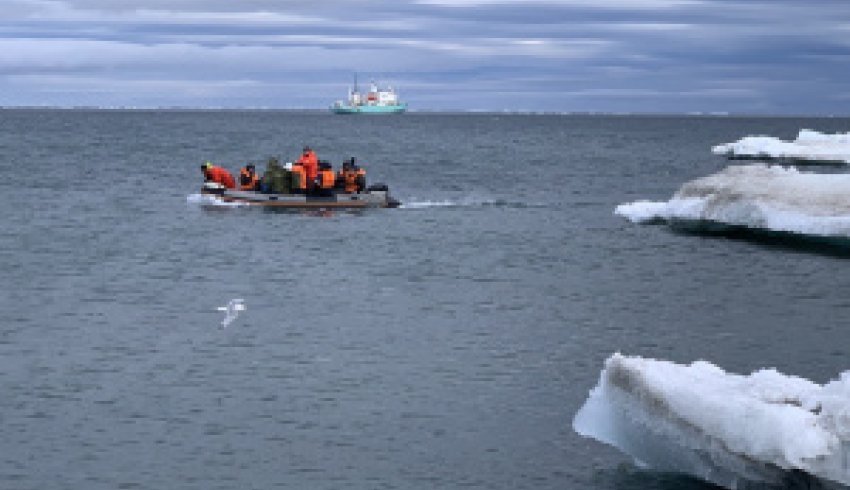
[(220, 175)]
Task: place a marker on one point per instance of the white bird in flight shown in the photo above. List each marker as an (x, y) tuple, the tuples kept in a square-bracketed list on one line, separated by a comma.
[(231, 311)]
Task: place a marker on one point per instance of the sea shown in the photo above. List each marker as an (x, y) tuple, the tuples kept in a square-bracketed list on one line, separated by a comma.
[(445, 344)]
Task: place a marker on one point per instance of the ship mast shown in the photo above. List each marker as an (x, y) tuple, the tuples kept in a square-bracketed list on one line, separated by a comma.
[(354, 93)]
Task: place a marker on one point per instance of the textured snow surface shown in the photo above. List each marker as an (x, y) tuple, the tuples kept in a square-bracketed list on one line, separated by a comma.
[(809, 146), (762, 197), (724, 428)]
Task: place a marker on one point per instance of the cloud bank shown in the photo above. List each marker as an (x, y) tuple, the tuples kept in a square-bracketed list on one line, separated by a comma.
[(746, 56)]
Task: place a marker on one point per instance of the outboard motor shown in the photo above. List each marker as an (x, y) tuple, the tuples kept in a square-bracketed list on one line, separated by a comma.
[(379, 188)]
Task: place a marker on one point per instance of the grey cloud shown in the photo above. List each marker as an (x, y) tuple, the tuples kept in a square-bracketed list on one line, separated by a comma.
[(618, 55)]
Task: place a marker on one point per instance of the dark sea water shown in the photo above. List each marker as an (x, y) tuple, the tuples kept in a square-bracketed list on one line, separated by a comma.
[(446, 344)]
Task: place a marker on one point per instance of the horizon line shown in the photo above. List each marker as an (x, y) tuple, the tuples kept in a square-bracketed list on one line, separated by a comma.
[(418, 111)]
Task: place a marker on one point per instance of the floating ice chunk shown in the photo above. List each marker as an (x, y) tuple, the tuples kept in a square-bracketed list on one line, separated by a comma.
[(761, 197), (723, 428), (810, 146), (651, 212), (231, 311)]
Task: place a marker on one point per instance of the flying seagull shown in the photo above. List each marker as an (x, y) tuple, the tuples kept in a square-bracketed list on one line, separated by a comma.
[(231, 311)]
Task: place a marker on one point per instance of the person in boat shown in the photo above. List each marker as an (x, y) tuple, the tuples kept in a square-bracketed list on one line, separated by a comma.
[(248, 179), (326, 180), (299, 178), (310, 162), (340, 176), (213, 173), (348, 177), (361, 175)]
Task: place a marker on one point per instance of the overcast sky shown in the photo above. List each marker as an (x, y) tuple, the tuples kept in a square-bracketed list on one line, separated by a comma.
[(740, 56)]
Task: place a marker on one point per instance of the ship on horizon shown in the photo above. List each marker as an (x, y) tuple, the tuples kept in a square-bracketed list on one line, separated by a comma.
[(376, 101)]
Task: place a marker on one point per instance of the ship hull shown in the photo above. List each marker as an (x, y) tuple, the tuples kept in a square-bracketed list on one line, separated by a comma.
[(369, 109)]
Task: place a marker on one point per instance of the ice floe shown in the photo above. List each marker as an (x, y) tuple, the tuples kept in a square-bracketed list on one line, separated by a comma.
[(724, 428), (760, 197), (810, 146)]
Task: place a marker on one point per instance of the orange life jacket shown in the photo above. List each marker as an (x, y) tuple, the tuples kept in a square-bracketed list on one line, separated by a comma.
[(327, 179), (248, 180), (311, 164), (361, 179), (299, 177), (350, 178)]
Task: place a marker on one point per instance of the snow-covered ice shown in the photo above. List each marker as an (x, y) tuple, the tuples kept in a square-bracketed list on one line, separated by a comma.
[(810, 146), (724, 428), (761, 197)]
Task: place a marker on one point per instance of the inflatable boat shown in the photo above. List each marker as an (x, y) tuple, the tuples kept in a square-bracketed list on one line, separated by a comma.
[(375, 196)]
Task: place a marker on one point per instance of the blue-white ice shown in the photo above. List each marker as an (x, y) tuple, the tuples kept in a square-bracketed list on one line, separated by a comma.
[(771, 198), (724, 428), (809, 146)]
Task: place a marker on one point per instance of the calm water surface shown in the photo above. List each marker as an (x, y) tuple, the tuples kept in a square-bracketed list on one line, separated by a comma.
[(447, 344)]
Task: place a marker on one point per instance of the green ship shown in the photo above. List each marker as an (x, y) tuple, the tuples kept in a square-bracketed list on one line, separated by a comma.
[(375, 101)]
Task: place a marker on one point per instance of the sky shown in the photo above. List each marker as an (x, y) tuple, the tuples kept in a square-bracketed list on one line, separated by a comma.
[(616, 56)]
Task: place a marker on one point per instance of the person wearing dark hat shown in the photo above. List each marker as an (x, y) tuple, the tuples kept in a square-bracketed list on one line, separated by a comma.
[(248, 179), (361, 175), (213, 173), (350, 176), (340, 176), (310, 162)]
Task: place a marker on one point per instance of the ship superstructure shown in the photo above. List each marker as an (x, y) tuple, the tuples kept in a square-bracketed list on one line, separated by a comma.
[(376, 101)]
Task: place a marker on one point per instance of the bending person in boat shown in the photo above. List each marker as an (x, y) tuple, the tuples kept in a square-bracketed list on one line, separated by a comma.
[(299, 178), (248, 179), (326, 180), (217, 174)]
